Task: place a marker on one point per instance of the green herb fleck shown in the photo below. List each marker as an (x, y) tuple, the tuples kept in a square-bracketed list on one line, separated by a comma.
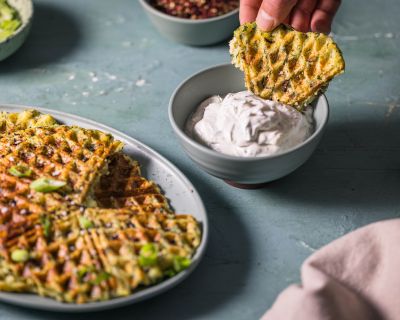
[(46, 224), (84, 271), (170, 273), (20, 255), (85, 223), (181, 263), (148, 255), (47, 185), (81, 272), (101, 277), (20, 171)]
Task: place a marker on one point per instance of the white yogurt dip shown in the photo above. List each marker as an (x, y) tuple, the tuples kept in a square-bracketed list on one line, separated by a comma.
[(244, 125)]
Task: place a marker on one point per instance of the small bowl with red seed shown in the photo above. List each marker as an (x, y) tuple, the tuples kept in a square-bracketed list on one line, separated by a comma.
[(194, 22)]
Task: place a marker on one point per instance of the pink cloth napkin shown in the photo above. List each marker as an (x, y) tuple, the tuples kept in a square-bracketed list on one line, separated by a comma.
[(356, 277)]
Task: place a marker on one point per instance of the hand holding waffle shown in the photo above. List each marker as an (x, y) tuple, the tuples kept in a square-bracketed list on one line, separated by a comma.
[(302, 15), (285, 65)]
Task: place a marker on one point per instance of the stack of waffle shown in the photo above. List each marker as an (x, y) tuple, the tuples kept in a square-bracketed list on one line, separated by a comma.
[(78, 222), (285, 65)]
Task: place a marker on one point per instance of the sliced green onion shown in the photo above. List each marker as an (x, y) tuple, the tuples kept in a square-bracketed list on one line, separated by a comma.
[(46, 224), (178, 264), (20, 171), (47, 185), (20, 255), (181, 263), (148, 255), (85, 223)]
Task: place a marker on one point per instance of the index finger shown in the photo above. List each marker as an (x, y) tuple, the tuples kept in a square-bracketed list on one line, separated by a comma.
[(274, 12), (323, 15), (249, 10), (278, 9)]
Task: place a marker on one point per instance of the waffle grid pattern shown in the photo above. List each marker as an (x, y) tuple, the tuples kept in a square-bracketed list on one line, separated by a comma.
[(285, 65), (84, 242)]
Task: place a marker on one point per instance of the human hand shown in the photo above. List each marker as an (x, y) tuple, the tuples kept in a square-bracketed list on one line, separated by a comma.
[(302, 15)]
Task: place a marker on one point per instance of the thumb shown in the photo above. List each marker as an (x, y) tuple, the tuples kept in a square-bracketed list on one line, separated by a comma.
[(273, 12)]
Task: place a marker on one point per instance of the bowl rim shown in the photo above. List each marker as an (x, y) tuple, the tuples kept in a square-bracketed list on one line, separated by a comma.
[(166, 16), (24, 25), (213, 153)]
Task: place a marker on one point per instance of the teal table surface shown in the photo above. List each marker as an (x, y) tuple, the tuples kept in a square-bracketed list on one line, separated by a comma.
[(103, 60)]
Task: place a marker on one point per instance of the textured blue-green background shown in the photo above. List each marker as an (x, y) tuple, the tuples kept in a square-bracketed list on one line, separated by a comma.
[(103, 60)]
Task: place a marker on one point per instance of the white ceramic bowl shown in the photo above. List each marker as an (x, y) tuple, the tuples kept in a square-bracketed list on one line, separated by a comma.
[(244, 172), (193, 32), (15, 41)]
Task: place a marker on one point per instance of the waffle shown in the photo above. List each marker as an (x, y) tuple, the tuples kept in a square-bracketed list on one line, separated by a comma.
[(74, 155), (23, 120), (103, 233), (285, 65), (123, 186), (101, 260)]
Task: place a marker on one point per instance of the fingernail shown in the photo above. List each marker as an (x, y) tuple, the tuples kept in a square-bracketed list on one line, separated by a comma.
[(265, 21)]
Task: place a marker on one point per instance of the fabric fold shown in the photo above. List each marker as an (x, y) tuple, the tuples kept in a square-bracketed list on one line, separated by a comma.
[(356, 277)]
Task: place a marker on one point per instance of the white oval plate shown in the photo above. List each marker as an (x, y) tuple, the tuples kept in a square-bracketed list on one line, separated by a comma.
[(178, 189)]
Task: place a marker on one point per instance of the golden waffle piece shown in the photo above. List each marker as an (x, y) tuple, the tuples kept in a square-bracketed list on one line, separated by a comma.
[(23, 120), (123, 186), (100, 232), (72, 155), (96, 254), (285, 65)]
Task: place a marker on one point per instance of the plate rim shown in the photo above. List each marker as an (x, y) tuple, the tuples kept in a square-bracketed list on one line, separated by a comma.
[(144, 294)]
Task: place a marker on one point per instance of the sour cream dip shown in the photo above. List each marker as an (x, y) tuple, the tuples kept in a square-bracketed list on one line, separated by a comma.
[(244, 125)]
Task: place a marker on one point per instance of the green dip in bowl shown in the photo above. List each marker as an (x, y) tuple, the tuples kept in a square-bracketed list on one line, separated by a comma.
[(15, 23), (10, 20)]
